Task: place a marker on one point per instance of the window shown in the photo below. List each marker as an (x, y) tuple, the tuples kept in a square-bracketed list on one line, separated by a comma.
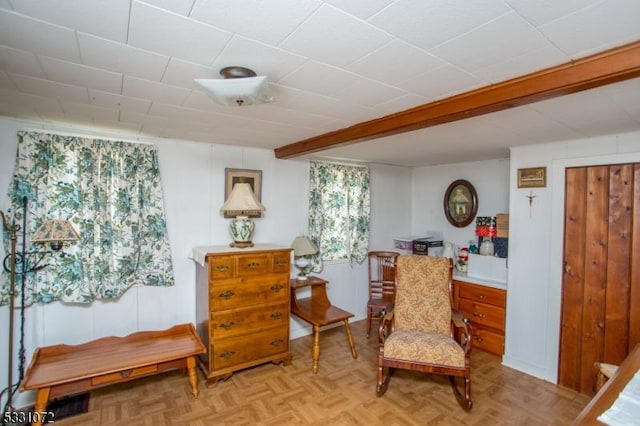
[(112, 194), (339, 211)]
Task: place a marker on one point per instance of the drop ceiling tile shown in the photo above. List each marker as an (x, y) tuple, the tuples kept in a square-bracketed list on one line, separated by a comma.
[(625, 95), (334, 37), (50, 89), (269, 22), (350, 112), (183, 7), (319, 78), (382, 65), (363, 9), (111, 100), (401, 103), (112, 56), (441, 83), (516, 66), (428, 23), (180, 113), (541, 12), (104, 126), (89, 111), (597, 27), (81, 75), (501, 39), (29, 34), (267, 60), (182, 73), (104, 18), (20, 62), (6, 83), (368, 92), (160, 92), (38, 104), (175, 35)]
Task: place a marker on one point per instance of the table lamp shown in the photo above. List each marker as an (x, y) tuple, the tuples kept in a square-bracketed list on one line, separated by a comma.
[(303, 247), (241, 202)]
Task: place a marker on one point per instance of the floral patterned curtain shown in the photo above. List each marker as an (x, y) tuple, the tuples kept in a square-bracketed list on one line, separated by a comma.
[(112, 194), (338, 212)]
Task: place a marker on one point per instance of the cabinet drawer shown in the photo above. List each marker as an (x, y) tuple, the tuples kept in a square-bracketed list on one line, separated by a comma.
[(235, 322), (221, 267), (123, 375), (483, 314), (478, 293), (230, 352), (239, 292), (487, 340), (251, 264), (281, 261)]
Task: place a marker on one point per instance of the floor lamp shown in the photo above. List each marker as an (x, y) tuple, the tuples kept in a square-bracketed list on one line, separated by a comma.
[(12, 261)]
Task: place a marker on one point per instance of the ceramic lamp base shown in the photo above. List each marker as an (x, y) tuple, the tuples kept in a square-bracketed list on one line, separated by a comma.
[(241, 228)]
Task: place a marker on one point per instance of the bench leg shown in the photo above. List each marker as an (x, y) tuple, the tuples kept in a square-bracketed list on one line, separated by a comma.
[(316, 348), (193, 375), (41, 405), (347, 327)]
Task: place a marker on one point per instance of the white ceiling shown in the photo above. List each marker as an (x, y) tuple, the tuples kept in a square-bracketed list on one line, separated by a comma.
[(128, 66)]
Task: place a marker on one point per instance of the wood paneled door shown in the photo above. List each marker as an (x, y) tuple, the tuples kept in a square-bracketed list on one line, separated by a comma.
[(601, 277)]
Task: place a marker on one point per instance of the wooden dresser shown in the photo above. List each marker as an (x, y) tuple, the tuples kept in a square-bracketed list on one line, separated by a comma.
[(242, 307), (485, 307)]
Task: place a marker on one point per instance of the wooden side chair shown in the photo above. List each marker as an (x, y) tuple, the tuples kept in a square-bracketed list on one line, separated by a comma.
[(423, 332), (382, 276)]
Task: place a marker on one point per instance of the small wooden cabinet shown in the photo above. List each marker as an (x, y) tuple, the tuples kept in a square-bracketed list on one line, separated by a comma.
[(242, 308), (485, 307)]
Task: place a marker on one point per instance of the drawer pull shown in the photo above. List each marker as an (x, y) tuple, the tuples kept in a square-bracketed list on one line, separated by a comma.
[(222, 268), (227, 355), (227, 295), (478, 339), (277, 287), (253, 265), (478, 315), (125, 373), (277, 342), (480, 296), (276, 315), (281, 263), (227, 325)]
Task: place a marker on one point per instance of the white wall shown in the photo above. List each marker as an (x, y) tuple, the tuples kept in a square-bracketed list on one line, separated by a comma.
[(535, 246), (490, 179), (193, 182)]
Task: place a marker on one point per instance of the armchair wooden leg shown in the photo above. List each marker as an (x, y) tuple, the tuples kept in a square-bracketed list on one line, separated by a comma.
[(384, 374), (369, 313), (347, 328)]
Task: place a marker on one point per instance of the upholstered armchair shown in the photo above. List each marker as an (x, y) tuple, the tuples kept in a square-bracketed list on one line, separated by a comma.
[(423, 332)]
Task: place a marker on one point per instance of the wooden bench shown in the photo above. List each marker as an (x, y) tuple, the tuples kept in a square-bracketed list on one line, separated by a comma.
[(61, 370), (318, 311)]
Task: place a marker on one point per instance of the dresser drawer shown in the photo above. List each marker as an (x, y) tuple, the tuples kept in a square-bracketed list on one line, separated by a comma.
[(491, 296), (281, 262), (239, 292), (230, 352), (487, 340), (252, 264), (483, 314), (221, 267), (235, 322)]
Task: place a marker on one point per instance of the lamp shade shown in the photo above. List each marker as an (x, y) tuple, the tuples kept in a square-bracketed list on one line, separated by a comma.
[(303, 246), (242, 201), (55, 231)]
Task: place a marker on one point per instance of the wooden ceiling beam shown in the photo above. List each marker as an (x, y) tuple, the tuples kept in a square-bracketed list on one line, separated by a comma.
[(621, 63)]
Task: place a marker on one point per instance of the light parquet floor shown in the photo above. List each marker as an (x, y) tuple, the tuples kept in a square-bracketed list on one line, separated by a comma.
[(342, 393)]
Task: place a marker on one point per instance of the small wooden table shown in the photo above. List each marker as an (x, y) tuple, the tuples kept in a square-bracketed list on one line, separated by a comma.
[(318, 311), (64, 369)]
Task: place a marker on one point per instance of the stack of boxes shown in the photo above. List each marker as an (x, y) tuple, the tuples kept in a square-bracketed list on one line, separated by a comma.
[(496, 228)]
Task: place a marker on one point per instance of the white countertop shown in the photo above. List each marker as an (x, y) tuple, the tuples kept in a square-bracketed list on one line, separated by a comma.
[(462, 276)]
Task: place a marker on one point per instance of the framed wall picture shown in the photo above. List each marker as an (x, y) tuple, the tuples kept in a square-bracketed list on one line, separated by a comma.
[(252, 177), (460, 203), (532, 177)]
